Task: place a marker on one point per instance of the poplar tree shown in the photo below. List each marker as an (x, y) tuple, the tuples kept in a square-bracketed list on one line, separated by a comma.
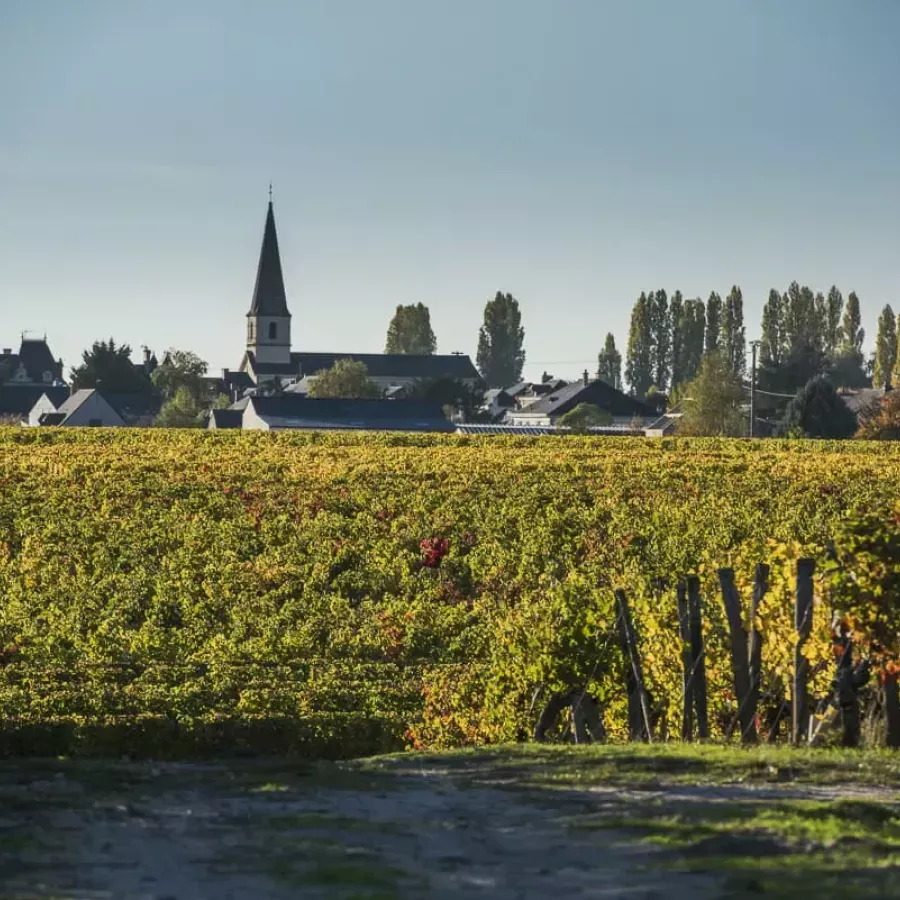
[(852, 334), (733, 340), (410, 331), (662, 339), (609, 363), (676, 344), (771, 347), (639, 355), (713, 322), (834, 308), (501, 352), (885, 349), (693, 339)]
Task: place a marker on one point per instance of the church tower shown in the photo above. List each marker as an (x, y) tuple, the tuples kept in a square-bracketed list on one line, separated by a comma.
[(269, 321)]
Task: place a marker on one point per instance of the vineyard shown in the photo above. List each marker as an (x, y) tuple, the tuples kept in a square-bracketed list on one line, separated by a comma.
[(174, 593)]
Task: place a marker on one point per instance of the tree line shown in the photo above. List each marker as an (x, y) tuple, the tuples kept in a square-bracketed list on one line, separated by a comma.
[(803, 334)]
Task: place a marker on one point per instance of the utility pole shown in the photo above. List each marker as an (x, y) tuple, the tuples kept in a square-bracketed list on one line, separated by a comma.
[(753, 346)]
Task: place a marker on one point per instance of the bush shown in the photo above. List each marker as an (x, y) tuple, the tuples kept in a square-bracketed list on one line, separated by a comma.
[(818, 412)]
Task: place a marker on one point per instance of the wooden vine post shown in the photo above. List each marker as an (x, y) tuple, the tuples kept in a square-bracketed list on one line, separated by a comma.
[(639, 727), (687, 682), (803, 609), (698, 665), (760, 588), (891, 710), (848, 679), (740, 660)]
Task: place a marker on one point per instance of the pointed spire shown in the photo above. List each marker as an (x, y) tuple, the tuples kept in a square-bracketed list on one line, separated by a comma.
[(268, 295)]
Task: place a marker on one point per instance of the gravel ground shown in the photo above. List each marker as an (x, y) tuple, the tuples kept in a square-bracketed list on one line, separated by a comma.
[(273, 831)]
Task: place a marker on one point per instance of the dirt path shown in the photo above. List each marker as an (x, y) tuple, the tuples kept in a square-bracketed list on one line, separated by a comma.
[(189, 832), (270, 831)]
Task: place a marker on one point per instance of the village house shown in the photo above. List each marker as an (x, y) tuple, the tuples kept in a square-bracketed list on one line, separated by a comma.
[(29, 374)]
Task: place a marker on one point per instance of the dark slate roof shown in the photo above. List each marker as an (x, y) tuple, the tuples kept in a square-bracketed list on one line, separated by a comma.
[(20, 398), (227, 418), (516, 389), (382, 415), (862, 399), (239, 380), (598, 393), (268, 294), (384, 365), (36, 357), (143, 403)]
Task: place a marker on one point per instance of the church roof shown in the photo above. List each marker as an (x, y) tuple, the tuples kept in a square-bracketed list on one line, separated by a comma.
[(268, 294), (387, 365)]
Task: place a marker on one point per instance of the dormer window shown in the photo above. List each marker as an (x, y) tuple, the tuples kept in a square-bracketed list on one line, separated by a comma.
[(47, 377)]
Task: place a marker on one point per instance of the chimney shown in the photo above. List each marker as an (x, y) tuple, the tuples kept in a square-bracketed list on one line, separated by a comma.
[(146, 356), (7, 351), (585, 377)]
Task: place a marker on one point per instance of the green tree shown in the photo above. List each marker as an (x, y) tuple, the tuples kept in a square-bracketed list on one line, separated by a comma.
[(771, 347), (713, 402), (885, 349), (676, 347), (501, 340), (803, 322), (584, 417), (346, 378), (662, 337), (733, 341), (639, 356), (852, 334), (609, 363), (818, 412), (895, 375), (109, 368), (410, 331), (692, 340), (713, 322), (820, 320), (834, 308), (180, 369), (184, 410)]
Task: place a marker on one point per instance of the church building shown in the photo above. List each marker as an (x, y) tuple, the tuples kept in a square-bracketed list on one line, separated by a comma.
[(269, 355)]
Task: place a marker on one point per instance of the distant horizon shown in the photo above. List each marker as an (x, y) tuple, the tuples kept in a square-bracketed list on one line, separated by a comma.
[(572, 155)]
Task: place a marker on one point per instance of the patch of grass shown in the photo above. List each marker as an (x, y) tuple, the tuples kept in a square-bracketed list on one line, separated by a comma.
[(651, 766), (783, 849)]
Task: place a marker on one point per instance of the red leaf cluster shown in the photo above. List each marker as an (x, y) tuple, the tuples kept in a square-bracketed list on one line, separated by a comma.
[(433, 551)]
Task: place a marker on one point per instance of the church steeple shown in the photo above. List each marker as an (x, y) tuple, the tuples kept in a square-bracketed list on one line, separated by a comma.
[(269, 320), (269, 298)]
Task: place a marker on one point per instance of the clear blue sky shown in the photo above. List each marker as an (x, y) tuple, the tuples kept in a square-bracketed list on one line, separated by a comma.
[(572, 152)]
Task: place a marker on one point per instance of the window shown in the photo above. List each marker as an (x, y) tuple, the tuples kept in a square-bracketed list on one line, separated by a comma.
[(47, 377), (273, 331)]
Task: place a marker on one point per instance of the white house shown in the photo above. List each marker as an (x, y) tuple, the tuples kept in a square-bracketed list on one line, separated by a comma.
[(85, 408)]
